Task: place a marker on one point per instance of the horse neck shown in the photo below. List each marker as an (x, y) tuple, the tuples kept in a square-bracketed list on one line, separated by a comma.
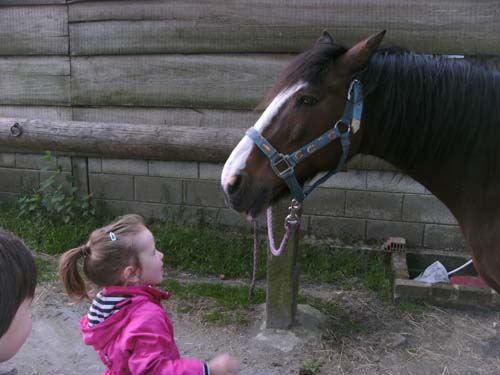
[(454, 179)]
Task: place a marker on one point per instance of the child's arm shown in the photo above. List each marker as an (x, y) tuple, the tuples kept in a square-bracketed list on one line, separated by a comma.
[(153, 351)]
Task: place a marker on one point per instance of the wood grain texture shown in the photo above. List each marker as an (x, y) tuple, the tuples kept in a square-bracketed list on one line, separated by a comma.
[(218, 26), (36, 30), (30, 2), (211, 81), (34, 81), (199, 117), (120, 140), (37, 112)]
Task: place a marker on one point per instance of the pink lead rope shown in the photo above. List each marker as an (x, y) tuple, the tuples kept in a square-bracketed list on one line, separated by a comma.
[(292, 222)]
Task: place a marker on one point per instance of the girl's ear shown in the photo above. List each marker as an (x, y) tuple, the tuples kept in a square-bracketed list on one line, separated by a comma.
[(130, 275)]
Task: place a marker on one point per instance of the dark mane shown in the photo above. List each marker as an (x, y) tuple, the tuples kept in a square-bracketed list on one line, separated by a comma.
[(432, 107)]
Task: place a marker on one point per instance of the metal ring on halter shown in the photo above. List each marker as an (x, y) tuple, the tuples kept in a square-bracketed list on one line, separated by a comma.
[(336, 126)]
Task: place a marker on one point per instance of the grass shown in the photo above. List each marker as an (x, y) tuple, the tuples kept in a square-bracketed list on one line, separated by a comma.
[(208, 252), (230, 303), (46, 270)]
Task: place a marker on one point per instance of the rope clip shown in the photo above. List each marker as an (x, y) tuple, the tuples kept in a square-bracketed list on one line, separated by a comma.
[(292, 218)]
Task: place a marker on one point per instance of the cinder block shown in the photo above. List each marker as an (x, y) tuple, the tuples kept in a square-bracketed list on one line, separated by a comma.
[(18, 180), (353, 179), (399, 266), (444, 293), (330, 227), (381, 230), (228, 217), (327, 202), (193, 215), (34, 161), (109, 186), (147, 210), (474, 296), (426, 209), (204, 193), (393, 182), (125, 166), (444, 237), (7, 159), (64, 178), (8, 197), (64, 162), (95, 165), (211, 171), (410, 289), (372, 205), (158, 189), (176, 169), (495, 298)]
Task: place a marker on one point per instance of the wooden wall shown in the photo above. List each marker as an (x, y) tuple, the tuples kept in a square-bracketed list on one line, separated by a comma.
[(85, 60), (208, 63)]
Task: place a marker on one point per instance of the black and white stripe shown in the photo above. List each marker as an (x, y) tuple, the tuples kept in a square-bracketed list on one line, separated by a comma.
[(102, 307)]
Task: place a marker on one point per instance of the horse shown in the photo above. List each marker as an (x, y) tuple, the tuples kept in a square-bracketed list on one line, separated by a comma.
[(435, 118)]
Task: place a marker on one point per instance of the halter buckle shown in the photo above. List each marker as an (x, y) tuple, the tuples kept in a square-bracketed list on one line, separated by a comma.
[(278, 164)]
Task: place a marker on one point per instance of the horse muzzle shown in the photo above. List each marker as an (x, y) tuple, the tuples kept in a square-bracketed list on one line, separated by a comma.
[(244, 198)]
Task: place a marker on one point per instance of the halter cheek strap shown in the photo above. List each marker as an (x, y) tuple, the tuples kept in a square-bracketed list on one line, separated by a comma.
[(283, 165)]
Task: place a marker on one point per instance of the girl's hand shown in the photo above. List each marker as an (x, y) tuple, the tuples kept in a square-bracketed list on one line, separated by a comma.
[(224, 365)]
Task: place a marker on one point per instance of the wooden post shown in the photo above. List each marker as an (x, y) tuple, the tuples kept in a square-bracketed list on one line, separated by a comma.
[(79, 170), (282, 275)]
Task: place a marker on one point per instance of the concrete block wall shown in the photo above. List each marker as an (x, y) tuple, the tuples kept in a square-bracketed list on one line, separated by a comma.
[(356, 205)]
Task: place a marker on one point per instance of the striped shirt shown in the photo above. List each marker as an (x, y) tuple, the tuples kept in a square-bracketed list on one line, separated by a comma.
[(103, 307)]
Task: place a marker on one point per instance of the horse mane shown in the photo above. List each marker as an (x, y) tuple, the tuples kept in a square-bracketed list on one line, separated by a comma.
[(427, 108)]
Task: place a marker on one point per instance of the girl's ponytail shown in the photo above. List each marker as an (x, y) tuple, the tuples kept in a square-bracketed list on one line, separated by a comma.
[(69, 273)]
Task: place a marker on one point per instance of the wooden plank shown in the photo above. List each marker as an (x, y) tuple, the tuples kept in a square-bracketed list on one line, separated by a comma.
[(34, 81), (129, 141), (30, 2), (37, 30), (211, 81), (167, 116), (37, 112), (80, 173), (139, 141), (189, 26)]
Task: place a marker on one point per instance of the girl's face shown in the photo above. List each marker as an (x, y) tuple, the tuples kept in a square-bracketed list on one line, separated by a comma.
[(18, 332), (151, 260)]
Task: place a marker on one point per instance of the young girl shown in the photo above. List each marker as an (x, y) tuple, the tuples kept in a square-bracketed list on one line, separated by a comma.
[(17, 287), (126, 323)]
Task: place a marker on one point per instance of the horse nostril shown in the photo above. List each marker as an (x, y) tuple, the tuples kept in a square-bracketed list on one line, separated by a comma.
[(234, 185)]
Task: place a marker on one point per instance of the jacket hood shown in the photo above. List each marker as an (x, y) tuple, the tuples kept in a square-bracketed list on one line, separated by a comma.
[(101, 334)]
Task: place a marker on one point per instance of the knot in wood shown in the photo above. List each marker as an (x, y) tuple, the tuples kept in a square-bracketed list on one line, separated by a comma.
[(16, 130)]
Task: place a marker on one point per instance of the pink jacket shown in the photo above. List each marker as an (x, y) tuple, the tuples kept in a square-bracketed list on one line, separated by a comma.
[(139, 338)]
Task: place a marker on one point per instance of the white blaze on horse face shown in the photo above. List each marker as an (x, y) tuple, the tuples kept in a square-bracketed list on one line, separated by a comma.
[(237, 160)]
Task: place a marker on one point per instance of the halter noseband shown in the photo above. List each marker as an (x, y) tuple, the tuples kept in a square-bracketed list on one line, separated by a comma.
[(283, 165)]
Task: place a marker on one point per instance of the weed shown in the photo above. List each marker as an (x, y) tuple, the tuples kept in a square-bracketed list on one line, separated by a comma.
[(46, 270), (312, 367), (55, 200)]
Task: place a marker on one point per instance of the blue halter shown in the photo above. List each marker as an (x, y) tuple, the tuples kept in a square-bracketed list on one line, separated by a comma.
[(283, 165)]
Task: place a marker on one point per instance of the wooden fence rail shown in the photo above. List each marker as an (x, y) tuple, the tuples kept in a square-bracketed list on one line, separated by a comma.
[(118, 140)]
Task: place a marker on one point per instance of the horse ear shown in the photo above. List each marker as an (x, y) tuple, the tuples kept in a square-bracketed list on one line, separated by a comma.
[(359, 55), (325, 38)]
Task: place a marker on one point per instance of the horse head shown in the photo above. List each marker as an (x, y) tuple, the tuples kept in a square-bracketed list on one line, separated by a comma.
[(307, 100)]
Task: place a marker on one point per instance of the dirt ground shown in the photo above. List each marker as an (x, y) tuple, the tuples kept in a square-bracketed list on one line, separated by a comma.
[(365, 336)]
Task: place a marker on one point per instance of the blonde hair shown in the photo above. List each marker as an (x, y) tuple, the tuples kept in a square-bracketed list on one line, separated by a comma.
[(108, 251)]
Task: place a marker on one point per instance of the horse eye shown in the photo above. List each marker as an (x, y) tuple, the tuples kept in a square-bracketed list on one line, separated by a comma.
[(308, 100)]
